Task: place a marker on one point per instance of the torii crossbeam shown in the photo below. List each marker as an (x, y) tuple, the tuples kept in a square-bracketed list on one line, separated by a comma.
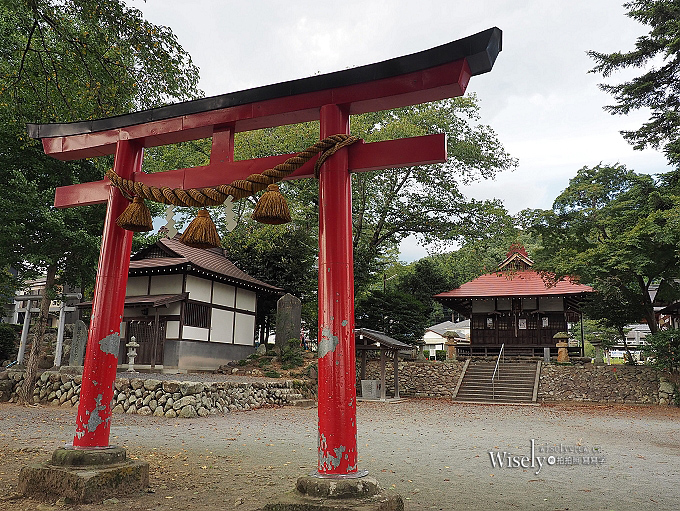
[(434, 74)]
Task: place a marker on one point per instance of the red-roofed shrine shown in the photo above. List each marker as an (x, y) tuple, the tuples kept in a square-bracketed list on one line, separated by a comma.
[(515, 306)]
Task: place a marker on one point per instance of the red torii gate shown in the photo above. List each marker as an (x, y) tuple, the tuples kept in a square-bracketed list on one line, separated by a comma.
[(437, 73)]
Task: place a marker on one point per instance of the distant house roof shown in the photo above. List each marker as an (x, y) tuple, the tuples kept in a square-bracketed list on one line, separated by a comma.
[(170, 253), (374, 337), (441, 328), (513, 284)]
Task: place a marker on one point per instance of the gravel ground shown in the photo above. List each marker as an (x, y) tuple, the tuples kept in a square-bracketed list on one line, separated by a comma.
[(432, 452)]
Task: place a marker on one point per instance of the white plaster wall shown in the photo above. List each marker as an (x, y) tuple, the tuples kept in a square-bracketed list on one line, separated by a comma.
[(245, 299), (166, 284), (244, 330), (223, 294), (549, 303), (172, 330), (137, 286), (194, 333), (172, 309), (432, 337), (222, 327), (199, 289), (487, 305)]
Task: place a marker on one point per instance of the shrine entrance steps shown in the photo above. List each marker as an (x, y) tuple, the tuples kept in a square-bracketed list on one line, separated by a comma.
[(515, 383)]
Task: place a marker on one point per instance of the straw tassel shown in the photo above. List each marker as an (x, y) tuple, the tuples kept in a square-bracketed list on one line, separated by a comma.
[(201, 232), (136, 217), (272, 207)]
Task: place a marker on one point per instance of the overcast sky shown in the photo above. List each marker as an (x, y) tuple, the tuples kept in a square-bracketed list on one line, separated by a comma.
[(539, 97)]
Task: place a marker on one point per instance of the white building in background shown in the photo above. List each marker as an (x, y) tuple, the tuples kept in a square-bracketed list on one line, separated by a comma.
[(435, 336), (635, 338)]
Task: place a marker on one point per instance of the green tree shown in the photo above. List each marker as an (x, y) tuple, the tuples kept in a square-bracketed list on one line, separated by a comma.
[(656, 88), (619, 232), (397, 314), (664, 347), (424, 279), (425, 201), (64, 61)]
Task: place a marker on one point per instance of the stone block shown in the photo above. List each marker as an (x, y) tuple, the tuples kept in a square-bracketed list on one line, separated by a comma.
[(84, 475), (337, 494)]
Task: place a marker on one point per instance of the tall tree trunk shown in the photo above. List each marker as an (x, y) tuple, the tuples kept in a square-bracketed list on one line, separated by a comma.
[(26, 390)]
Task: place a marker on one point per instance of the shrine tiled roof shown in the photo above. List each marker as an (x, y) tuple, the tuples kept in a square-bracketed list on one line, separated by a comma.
[(211, 261), (513, 284)]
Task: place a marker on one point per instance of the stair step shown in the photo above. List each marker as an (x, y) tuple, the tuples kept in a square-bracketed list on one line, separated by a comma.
[(512, 383)]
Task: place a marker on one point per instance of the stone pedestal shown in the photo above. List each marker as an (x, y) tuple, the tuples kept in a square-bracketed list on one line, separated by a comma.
[(337, 494), (562, 352), (85, 475)]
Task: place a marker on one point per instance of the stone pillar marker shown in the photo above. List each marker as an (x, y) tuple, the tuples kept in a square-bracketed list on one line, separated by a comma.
[(288, 322), (77, 354)]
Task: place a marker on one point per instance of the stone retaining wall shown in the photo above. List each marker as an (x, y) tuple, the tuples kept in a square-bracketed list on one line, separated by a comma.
[(417, 379), (605, 384), (163, 398)]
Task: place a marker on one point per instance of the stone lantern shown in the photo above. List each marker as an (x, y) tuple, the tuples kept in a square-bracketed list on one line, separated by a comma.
[(132, 353)]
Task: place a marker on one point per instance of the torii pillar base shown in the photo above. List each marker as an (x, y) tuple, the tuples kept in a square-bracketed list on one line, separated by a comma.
[(85, 476), (337, 494)]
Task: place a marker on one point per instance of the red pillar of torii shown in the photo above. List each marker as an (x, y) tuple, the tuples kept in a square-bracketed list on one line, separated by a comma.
[(434, 74)]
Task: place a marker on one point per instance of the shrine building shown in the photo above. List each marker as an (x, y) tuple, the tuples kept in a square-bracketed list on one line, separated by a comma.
[(516, 307), (189, 308)]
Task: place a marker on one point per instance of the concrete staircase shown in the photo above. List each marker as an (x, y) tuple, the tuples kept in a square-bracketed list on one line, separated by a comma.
[(514, 383)]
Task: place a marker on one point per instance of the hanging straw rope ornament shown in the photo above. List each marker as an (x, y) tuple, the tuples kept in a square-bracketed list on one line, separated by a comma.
[(136, 217), (201, 232), (212, 196), (272, 207)]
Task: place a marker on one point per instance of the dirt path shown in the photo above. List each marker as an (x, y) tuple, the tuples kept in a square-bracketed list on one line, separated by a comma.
[(432, 452)]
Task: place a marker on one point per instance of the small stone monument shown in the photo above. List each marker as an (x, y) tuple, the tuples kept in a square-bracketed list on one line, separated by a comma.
[(562, 339), (78, 343), (288, 319), (598, 360), (420, 357)]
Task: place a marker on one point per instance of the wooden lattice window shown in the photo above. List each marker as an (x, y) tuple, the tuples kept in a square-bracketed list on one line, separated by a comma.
[(197, 314)]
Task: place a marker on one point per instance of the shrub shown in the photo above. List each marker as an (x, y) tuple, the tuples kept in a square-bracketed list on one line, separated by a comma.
[(291, 355), (664, 348), (440, 355), (426, 354), (272, 374), (8, 338)]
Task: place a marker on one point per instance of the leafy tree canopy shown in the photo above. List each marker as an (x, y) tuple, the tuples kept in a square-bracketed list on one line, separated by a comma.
[(62, 61), (656, 89), (619, 232), (388, 205)]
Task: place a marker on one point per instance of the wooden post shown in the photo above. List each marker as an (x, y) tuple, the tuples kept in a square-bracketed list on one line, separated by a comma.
[(396, 374), (383, 361)]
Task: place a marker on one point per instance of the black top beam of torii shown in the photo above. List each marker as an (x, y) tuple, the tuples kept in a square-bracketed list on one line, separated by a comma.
[(479, 50)]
